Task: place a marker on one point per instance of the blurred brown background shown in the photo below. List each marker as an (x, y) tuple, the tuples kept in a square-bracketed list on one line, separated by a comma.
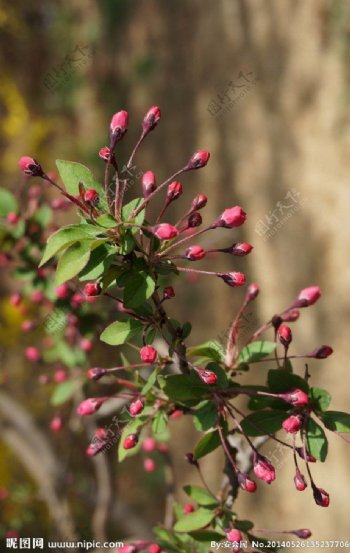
[(265, 86)]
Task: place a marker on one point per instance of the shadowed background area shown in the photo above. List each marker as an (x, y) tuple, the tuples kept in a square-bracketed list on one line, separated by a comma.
[(264, 85)]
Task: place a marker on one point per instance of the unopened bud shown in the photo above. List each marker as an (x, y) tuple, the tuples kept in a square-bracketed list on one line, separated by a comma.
[(252, 291), (199, 202), (174, 191), (233, 279), (148, 183), (194, 220), (151, 119), (231, 217), (198, 160), (194, 253), (130, 441), (118, 127), (285, 335), (321, 353), (30, 166), (96, 373)]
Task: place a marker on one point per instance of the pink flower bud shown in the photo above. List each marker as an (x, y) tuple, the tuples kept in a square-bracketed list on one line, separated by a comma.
[(77, 300), (199, 202), (148, 182), (284, 335), (321, 497), (291, 315), (231, 217), (37, 296), (148, 354), (127, 548), (295, 397), (119, 126), (168, 293), (164, 231), (198, 160), (91, 197), (233, 279), (209, 377), (56, 424), (130, 441), (92, 289), (105, 153), (234, 536), (15, 299), (62, 291), (252, 291), (174, 191), (194, 253), (149, 465), (176, 414), (30, 166), (308, 296), (194, 220), (60, 375), (96, 373), (188, 509), (136, 407), (299, 481), (263, 468), (149, 444), (90, 405), (321, 353), (154, 548), (163, 448), (12, 218), (308, 457), (239, 249), (302, 533), (246, 483), (293, 424), (86, 344), (32, 354), (27, 325), (151, 119)]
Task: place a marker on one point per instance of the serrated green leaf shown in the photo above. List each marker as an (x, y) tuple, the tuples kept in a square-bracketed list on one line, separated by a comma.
[(321, 397), (138, 289), (107, 221), (316, 440), (64, 391), (201, 496), (66, 236), (119, 332), (255, 351), (72, 261), (194, 521), (263, 422), (72, 173), (205, 416), (208, 443), (184, 387), (280, 380), (337, 421), (8, 202), (100, 260), (209, 350)]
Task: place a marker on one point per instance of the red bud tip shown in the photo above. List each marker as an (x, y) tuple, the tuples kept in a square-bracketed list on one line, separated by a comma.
[(148, 354), (246, 483), (92, 289), (321, 497), (194, 253), (62, 291), (130, 441), (148, 182), (252, 291), (96, 373), (299, 481), (32, 354), (12, 218), (303, 533), (119, 126), (284, 335), (208, 377), (154, 548), (168, 293), (293, 424), (149, 465), (151, 119), (90, 405), (164, 231), (30, 166), (188, 509), (194, 220), (309, 458), (231, 217), (105, 153), (321, 353), (234, 536), (174, 191), (56, 424), (239, 249), (91, 196), (233, 279), (308, 296), (264, 469), (295, 397), (199, 202), (127, 548), (136, 407), (149, 444), (291, 315), (15, 299), (198, 160)]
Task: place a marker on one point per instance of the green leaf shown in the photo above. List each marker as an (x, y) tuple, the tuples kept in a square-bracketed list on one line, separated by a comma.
[(210, 350), (100, 260), (138, 289), (106, 221), (208, 443), (43, 215), (255, 351), (201, 496), (64, 391), (184, 387), (207, 536), (8, 202), (72, 261), (160, 424), (263, 422), (66, 236), (72, 173), (150, 382), (194, 521), (337, 421), (321, 397), (128, 209), (244, 525), (120, 331), (280, 380), (205, 416), (316, 440)]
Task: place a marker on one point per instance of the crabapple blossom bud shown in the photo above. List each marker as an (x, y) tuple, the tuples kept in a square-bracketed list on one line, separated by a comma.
[(105, 153), (295, 397), (56, 424), (163, 448), (234, 535), (148, 354), (291, 315), (149, 465), (176, 414), (239, 249), (149, 444), (154, 548), (77, 300), (168, 293), (127, 548), (15, 299), (148, 183), (96, 373), (90, 405), (194, 220), (232, 279), (12, 218), (321, 353), (32, 354), (62, 291), (198, 160), (199, 202), (304, 454), (30, 166), (174, 191), (246, 483), (188, 509), (130, 441), (60, 375), (285, 335), (209, 377), (308, 296), (136, 407), (263, 468), (321, 497), (231, 217), (151, 119), (27, 325), (302, 533), (194, 253), (293, 424), (37, 296), (91, 196), (86, 344), (299, 481), (164, 231), (118, 127), (252, 292), (92, 289)]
